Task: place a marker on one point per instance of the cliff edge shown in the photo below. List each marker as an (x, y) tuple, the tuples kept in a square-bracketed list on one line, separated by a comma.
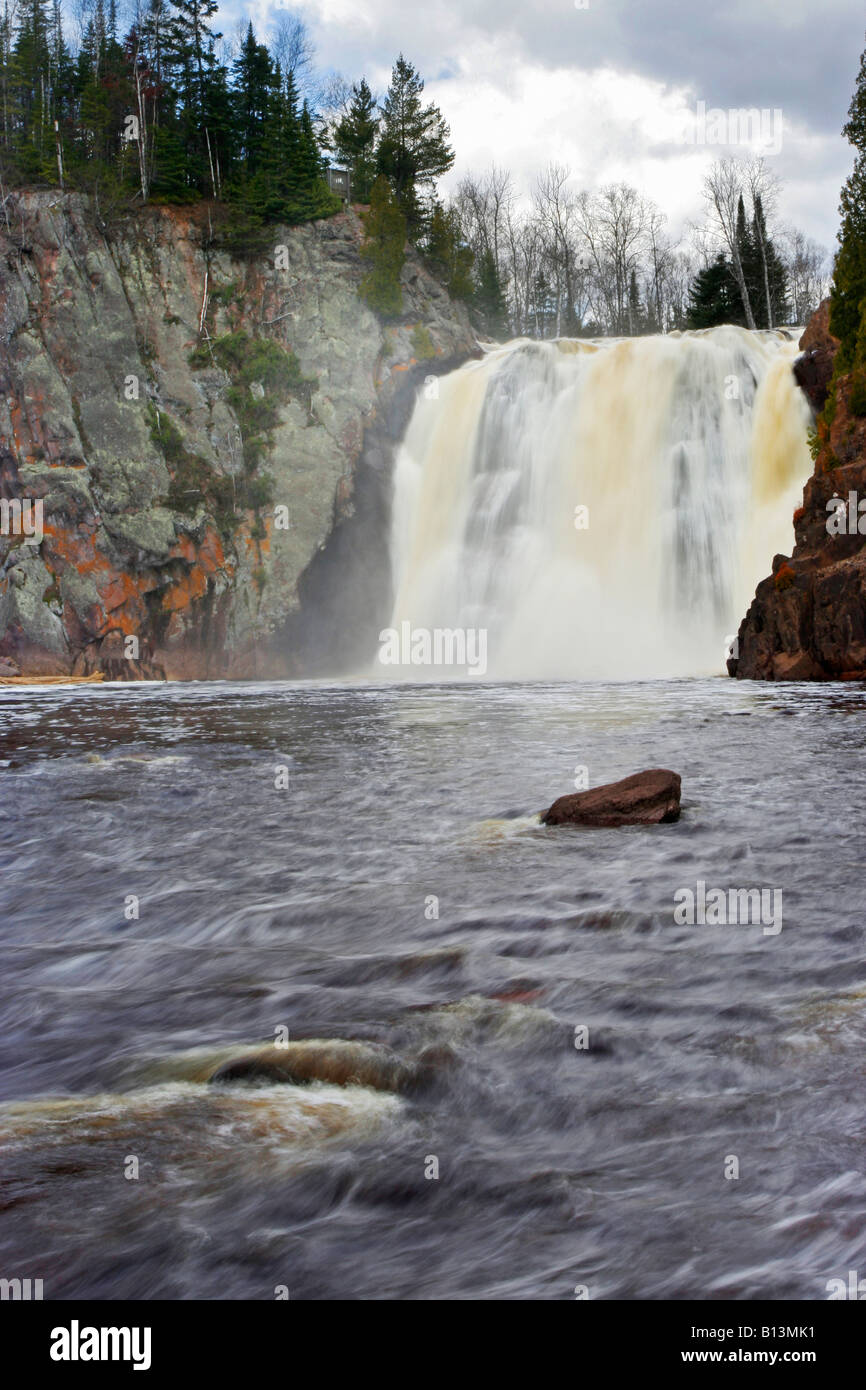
[(807, 620), (184, 434)]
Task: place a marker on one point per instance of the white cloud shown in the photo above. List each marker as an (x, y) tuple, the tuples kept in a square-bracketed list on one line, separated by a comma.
[(607, 89)]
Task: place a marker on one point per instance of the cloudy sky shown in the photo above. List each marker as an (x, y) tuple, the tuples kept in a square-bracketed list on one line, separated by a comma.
[(611, 87)]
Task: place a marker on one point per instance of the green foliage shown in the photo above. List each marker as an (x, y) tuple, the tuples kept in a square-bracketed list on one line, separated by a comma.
[(158, 116), (385, 249), (449, 257), (192, 477), (195, 483), (714, 296), (263, 376), (422, 343), (848, 292), (857, 391), (224, 294), (354, 140), (413, 148), (489, 299)]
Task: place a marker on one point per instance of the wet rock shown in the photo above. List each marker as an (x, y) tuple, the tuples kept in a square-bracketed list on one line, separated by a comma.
[(645, 798), (338, 1062), (814, 369), (807, 620)]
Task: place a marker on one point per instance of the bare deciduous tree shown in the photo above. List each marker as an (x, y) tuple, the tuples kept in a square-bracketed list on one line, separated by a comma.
[(723, 189)]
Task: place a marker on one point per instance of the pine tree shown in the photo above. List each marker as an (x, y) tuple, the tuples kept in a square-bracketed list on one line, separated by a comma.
[(314, 198), (848, 293), (31, 64), (413, 147), (253, 81), (450, 258), (194, 73), (385, 247), (770, 275), (489, 299), (354, 139), (713, 296)]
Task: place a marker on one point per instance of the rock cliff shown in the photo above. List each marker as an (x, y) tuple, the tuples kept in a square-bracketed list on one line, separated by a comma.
[(198, 440), (808, 618)]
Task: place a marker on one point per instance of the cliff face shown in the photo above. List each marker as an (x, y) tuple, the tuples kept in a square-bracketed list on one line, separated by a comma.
[(808, 618), (195, 478)]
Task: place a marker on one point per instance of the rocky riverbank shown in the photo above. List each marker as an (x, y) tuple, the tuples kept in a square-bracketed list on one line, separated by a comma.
[(808, 618), (200, 433)]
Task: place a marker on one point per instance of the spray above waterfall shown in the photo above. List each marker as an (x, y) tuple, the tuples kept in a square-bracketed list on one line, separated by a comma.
[(596, 509)]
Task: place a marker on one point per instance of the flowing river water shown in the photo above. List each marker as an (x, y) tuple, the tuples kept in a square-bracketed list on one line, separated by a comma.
[(363, 862)]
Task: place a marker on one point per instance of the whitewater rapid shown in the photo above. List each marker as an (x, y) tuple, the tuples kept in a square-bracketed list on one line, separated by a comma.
[(598, 509)]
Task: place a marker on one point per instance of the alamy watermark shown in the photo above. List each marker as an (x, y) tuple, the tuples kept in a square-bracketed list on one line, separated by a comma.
[(438, 646), (21, 517), (732, 907), (20, 1290), (846, 518), (77, 1343), (852, 1288), (761, 128)]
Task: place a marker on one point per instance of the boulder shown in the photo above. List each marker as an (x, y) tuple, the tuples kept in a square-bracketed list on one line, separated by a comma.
[(645, 798), (814, 369)]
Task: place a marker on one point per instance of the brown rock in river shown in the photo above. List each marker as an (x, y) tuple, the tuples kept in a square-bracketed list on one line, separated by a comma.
[(646, 798)]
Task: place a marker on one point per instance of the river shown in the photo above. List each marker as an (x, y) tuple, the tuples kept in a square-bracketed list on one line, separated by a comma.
[(363, 861)]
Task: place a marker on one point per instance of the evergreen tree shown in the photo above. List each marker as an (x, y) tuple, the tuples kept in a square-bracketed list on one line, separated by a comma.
[(196, 79), (489, 299), (314, 198), (253, 75), (713, 297), (33, 112), (157, 114), (450, 258), (848, 293), (771, 278), (635, 308), (385, 248), (413, 147), (354, 139)]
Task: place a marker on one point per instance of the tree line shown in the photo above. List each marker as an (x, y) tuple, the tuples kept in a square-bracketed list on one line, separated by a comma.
[(165, 111), (602, 263)]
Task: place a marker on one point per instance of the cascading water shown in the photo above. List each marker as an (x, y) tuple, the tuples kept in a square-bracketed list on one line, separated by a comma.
[(599, 509)]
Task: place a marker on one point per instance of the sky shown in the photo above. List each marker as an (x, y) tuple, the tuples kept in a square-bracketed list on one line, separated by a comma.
[(612, 88)]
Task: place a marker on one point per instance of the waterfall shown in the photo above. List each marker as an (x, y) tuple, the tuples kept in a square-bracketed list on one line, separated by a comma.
[(598, 509)]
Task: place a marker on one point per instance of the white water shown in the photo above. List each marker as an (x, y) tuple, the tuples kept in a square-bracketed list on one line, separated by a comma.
[(689, 452)]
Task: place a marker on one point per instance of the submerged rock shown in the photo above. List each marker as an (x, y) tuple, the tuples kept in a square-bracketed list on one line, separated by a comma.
[(337, 1062), (645, 798)]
